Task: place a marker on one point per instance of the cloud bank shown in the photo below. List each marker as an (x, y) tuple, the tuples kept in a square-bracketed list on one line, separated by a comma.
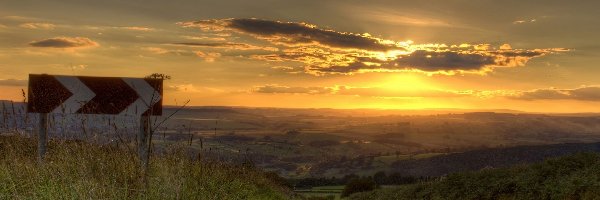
[(65, 42), (292, 33), (354, 91), (43, 26), (586, 93), (324, 51)]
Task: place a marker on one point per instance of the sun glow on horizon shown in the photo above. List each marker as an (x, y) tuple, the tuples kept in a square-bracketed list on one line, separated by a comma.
[(406, 81)]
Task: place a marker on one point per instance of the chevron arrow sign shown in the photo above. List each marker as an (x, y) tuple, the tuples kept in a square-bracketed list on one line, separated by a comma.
[(94, 95)]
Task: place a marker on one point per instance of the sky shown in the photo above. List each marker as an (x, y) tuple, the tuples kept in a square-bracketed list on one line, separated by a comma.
[(535, 56)]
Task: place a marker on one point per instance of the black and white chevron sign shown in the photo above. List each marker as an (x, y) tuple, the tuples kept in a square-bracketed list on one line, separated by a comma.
[(94, 95)]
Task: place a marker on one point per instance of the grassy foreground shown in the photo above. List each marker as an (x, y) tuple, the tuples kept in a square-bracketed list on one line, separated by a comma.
[(77, 170), (570, 177)]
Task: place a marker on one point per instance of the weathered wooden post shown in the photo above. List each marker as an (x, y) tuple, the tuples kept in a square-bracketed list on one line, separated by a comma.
[(143, 141), (42, 136)]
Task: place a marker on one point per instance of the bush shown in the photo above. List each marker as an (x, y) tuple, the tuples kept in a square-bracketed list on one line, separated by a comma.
[(575, 176), (359, 185)]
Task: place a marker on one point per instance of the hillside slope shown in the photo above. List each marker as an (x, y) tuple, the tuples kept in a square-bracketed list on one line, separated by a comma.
[(575, 176), (77, 170), (486, 158)]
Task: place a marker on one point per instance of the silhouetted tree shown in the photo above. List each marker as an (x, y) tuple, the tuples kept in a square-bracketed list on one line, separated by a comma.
[(159, 76), (380, 178), (359, 185)]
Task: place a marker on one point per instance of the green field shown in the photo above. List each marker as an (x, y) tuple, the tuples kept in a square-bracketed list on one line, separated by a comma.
[(322, 191)]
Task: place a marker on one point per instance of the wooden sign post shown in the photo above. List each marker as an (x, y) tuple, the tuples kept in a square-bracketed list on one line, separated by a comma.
[(143, 141), (42, 136), (95, 95)]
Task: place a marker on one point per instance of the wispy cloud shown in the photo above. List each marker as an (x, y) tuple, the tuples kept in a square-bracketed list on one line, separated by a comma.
[(42, 26), (163, 51), (204, 38), (395, 17), (208, 56), (227, 45), (525, 21), (65, 42), (357, 91), (19, 18), (136, 28), (280, 89), (71, 67), (191, 88)]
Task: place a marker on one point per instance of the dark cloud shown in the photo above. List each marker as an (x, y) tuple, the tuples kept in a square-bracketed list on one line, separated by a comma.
[(432, 61), (444, 61), (589, 93), (13, 82), (518, 53), (341, 69), (64, 42), (294, 33), (324, 51)]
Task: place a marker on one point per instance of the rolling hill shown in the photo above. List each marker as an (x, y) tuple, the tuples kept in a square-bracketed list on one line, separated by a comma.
[(575, 176)]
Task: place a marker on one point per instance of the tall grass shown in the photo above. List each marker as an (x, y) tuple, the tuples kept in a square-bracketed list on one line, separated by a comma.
[(80, 170)]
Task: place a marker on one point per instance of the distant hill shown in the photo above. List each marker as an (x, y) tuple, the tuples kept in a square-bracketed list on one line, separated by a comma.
[(487, 158), (365, 112), (332, 111), (570, 177), (339, 112)]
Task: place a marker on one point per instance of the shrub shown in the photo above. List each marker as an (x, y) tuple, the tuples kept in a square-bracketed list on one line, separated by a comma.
[(359, 185)]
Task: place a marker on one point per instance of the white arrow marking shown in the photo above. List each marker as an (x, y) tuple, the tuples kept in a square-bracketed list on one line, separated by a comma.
[(81, 94), (148, 96)]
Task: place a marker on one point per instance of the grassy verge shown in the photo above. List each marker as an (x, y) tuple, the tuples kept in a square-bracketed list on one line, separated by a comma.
[(77, 170)]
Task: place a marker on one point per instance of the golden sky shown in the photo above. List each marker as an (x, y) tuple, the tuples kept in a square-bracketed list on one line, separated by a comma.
[(537, 56)]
